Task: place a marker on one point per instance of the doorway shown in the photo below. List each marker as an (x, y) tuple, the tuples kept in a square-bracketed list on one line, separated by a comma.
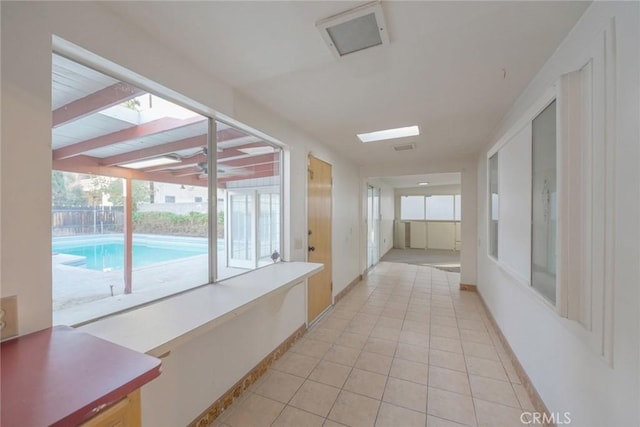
[(319, 207), (373, 225), (253, 227)]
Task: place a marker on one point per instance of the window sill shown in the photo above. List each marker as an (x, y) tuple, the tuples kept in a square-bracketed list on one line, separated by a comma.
[(158, 327)]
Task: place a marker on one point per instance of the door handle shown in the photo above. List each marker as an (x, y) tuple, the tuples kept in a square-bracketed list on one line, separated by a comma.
[(312, 248)]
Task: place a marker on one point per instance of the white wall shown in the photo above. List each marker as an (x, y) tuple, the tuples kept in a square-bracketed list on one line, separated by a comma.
[(218, 360), (568, 374), (192, 376)]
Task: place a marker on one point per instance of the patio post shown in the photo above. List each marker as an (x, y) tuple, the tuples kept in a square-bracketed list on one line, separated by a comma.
[(128, 234)]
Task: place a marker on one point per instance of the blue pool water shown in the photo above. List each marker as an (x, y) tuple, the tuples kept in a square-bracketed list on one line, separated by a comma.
[(109, 255)]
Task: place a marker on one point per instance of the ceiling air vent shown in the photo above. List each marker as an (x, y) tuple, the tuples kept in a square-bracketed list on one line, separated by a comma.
[(404, 147), (356, 29)]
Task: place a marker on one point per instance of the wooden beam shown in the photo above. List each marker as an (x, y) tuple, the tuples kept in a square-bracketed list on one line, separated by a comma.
[(250, 160), (91, 165), (253, 175), (251, 172), (234, 152), (186, 172), (94, 102), (200, 158), (150, 128), (155, 151), (199, 141), (193, 160)]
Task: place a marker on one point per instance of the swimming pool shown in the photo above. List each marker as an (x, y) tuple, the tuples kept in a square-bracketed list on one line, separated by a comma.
[(104, 253)]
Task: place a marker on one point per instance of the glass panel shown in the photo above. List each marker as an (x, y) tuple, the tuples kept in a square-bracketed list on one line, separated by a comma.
[(170, 236), (412, 208), (440, 208), (87, 215), (108, 127), (241, 225), (494, 205), (373, 225), (376, 226), (268, 226), (249, 201), (544, 204), (458, 207)]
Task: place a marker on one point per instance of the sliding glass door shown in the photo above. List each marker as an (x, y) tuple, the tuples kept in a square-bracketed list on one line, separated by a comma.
[(373, 225), (254, 227), (241, 243)]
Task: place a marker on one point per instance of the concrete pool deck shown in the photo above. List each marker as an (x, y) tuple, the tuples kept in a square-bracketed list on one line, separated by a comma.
[(81, 294)]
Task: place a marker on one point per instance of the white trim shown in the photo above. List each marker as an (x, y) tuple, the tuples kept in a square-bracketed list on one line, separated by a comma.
[(212, 190), (536, 108), (610, 120)]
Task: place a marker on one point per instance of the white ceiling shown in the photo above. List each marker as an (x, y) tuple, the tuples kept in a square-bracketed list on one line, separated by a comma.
[(453, 68)]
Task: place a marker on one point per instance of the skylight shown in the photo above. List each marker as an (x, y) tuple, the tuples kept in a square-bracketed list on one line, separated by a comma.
[(382, 135)]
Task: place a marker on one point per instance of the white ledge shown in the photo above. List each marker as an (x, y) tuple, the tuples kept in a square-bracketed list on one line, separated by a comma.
[(161, 326)]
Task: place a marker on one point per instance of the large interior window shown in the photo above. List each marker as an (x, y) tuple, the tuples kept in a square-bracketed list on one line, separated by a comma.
[(431, 208), (544, 203), (440, 208), (412, 208), (134, 217), (249, 201), (494, 206)]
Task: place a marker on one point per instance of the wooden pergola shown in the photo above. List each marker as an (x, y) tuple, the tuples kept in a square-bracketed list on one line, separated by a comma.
[(89, 138)]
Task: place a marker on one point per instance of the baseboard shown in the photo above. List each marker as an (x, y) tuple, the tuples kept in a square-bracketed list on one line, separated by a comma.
[(535, 398), (207, 417), (346, 290), (468, 287)]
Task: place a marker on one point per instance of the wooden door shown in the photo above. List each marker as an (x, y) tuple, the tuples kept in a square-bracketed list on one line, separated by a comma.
[(319, 188)]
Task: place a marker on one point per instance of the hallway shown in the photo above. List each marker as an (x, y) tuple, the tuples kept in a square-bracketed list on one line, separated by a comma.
[(404, 348)]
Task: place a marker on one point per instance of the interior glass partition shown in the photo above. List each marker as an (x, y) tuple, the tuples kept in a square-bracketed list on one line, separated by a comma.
[(544, 203)]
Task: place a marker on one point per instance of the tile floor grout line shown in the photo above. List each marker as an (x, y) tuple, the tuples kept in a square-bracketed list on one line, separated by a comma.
[(395, 294)]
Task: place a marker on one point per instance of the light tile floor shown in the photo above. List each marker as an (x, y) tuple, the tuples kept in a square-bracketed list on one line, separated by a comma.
[(404, 348)]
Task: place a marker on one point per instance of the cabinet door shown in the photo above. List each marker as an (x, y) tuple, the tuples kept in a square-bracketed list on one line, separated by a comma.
[(125, 413)]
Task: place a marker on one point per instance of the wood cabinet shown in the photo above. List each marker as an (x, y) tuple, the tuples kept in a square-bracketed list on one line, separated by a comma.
[(124, 413), (62, 377)]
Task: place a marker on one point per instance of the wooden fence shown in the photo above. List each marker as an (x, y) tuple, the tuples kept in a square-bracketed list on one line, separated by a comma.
[(87, 220)]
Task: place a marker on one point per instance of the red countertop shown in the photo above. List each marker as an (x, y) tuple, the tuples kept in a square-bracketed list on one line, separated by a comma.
[(57, 376)]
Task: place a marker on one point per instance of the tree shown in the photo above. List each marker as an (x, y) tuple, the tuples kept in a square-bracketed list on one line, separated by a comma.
[(114, 188), (66, 190), (220, 227)]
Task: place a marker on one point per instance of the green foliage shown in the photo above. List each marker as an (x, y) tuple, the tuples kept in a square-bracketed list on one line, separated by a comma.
[(66, 190), (113, 187), (132, 104), (192, 224), (220, 228)]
